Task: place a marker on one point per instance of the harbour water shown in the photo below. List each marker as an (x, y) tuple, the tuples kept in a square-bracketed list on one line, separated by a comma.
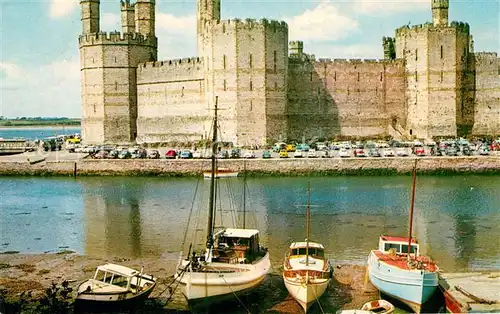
[(456, 220), (34, 133)]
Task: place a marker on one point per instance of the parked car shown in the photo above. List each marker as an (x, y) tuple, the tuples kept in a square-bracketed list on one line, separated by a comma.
[(124, 154), (343, 153), (290, 148), (451, 151), (277, 147), (113, 154), (359, 152), (223, 154), (101, 154), (235, 153), (197, 154), (171, 154), (373, 152), (419, 151), (266, 154), (283, 154), (154, 154), (401, 152), (51, 144), (321, 146), (388, 152), (249, 154), (466, 151), (299, 154), (312, 153), (186, 155), (483, 150)]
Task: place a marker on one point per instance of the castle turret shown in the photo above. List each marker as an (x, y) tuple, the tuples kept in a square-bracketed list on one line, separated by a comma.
[(296, 47), (440, 12), (128, 17), (145, 17), (389, 49), (208, 10), (90, 16)]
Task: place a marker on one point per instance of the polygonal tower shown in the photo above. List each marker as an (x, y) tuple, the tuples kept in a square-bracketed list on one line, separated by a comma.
[(207, 10), (440, 12), (108, 71)]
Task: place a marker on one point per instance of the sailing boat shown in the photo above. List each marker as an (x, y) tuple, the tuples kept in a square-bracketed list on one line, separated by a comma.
[(398, 270), (307, 272), (233, 262)]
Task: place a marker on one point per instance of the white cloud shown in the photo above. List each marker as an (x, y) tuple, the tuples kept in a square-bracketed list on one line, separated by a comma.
[(53, 89), (110, 21), (324, 22), (353, 51), (60, 8), (176, 36), (387, 7)]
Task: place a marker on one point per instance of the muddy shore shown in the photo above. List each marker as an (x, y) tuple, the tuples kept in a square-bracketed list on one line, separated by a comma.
[(25, 277)]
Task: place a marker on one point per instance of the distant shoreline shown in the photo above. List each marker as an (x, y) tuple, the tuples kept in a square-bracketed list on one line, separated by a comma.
[(42, 126)]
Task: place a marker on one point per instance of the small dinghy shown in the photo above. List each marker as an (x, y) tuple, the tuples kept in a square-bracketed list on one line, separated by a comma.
[(379, 307), (114, 286)]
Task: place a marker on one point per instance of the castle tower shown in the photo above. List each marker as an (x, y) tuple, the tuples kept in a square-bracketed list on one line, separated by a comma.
[(145, 17), (128, 17), (108, 64), (90, 16), (440, 12), (207, 10), (389, 49)]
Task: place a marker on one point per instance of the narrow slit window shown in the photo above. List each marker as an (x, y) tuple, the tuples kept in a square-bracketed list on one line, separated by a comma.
[(358, 76), (416, 54), (250, 61), (224, 62), (335, 76), (182, 91), (416, 76), (251, 105), (381, 76), (441, 52), (116, 85), (225, 87), (311, 78), (441, 76), (251, 85), (275, 85)]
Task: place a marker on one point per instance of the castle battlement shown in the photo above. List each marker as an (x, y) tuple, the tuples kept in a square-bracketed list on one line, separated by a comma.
[(171, 63), (247, 24), (125, 5), (461, 26), (107, 38)]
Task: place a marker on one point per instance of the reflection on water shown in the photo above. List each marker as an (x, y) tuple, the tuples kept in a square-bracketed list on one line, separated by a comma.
[(456, 218)]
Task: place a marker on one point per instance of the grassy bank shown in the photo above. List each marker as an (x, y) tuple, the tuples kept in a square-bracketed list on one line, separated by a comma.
[(32, 122)]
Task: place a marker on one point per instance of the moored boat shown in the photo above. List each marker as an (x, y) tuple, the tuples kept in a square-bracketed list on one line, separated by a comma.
[(232, 263), (379, 307), (221, 173), (114, 286), (398, 270), (306, 270)]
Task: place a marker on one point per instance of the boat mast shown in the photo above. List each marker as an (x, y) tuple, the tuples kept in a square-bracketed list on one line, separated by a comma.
[(308, 209), (414, 179), (244, 192), (211, 203)]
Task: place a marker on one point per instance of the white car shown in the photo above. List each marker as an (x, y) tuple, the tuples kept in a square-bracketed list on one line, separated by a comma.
[(343, 153), (249, 154), (197, 154), (298, 154), (311, 154), (321, 146), (388, 152), (401, 152)]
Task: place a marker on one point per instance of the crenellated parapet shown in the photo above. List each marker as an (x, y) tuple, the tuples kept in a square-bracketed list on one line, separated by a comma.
[(461, 26), (116, 38), (184, 62), (248, 24)]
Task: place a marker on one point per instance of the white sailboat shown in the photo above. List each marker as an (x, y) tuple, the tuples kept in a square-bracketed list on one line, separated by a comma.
[(307, 272), (233, 261)]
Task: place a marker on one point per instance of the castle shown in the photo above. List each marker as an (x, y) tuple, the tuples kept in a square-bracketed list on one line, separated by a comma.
[(430, 83)]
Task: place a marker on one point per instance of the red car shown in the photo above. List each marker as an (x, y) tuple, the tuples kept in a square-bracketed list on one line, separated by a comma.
[(171, 154), (419, 151)]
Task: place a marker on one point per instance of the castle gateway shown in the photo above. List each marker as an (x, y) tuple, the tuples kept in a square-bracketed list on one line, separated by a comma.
[(430, 83)]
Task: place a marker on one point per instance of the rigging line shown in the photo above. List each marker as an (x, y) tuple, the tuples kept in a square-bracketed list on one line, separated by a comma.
[(189, 217), (317, 300), (235, 295), (172, 291), (232, 206)]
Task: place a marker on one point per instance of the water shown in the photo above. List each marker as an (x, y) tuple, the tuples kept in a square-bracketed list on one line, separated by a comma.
[(34, 133), (456, 217)]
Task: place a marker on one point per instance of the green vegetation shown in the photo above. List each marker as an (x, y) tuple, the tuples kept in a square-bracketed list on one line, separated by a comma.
[(38, 121)]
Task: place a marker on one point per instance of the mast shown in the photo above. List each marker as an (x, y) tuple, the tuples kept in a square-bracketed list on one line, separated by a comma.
[(414, 179), (211, 203), (244, 191), (308, 209)]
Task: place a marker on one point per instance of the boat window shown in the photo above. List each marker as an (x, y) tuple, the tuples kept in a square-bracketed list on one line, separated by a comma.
[(320, 253), (119, 281), (405, 249), (389, 246), (295, 252), (302, 251)]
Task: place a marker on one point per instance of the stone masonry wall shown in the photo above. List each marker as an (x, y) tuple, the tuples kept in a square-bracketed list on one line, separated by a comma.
[(344, 97), (171, 101), (487, 105)]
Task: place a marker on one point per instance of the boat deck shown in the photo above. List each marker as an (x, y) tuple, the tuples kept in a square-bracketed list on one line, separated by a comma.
[(401, 261), (479, 292)]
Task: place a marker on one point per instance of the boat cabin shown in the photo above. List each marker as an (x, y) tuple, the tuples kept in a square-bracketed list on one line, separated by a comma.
[(117, 275), (300, 249), (242, 244), (398, 245)]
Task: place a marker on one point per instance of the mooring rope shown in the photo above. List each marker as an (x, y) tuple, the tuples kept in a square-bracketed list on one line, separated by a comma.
[(319, 303), (172, 291), (236, 296)]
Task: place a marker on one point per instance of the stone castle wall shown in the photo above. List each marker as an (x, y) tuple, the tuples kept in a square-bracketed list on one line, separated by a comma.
[(108, 71), (344, 97), (246, 69), (171, 101), (487, 97)]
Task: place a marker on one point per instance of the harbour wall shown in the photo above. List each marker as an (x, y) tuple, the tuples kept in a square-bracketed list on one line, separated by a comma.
[(257, 167)]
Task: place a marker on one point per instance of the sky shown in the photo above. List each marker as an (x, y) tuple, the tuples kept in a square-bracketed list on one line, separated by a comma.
[(39, 58)]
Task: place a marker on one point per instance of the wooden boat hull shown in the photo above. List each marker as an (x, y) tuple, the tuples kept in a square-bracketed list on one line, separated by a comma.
[(108, 301), (217, 286), (306, 294), (412, 287)]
